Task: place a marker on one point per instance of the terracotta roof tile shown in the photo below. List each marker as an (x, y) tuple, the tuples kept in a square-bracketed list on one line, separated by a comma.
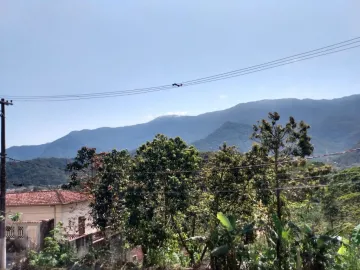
[(47, 197)]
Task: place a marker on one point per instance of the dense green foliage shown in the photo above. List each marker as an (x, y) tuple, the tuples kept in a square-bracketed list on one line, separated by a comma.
[(348, 159), (268, 208), (36, 172), (56, 252), (341, 202), (283, 143), (335, 127)]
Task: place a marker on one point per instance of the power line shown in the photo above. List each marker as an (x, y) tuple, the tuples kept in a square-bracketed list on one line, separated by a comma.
[(137, 92), (293, 188), (290, 59), (220, 168), (308, 53), (297, 187), (266, 68), (334, 48), (255, 165)]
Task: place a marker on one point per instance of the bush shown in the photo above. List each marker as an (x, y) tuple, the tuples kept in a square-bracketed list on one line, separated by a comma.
[(56, 252)]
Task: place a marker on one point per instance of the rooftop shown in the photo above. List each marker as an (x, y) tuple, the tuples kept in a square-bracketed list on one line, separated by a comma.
[(46, 197)]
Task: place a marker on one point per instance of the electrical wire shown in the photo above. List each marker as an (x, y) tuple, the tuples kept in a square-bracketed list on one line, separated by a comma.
[(266, 68), (298, 187), (227, 168), (290, 59), (295, 187), (236, 73), (336, 45)]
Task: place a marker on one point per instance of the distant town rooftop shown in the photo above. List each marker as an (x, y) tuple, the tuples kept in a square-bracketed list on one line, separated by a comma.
[(45, 197)]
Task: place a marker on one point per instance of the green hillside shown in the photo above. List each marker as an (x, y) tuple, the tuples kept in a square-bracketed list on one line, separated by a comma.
[(349, 159), (234, 134), (36, 172)]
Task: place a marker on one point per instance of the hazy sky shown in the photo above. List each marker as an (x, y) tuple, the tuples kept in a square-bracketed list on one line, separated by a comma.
[(69, 47)]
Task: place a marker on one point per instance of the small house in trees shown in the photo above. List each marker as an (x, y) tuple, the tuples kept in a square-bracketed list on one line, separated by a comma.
[(41, 210)]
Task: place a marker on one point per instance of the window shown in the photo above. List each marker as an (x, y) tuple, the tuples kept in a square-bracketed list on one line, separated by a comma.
[(21, 231), (10, 232), (81, 225)]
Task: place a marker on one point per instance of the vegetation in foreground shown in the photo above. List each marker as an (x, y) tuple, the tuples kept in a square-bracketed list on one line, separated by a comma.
[(268, 208)]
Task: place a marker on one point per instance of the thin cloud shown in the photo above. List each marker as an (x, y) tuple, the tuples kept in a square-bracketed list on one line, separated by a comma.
[(176, 113), (150, 117), (223, 96)]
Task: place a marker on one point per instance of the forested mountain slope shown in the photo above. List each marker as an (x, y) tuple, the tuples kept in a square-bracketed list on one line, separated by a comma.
[(36, 172), (232, 133), (335, 126)]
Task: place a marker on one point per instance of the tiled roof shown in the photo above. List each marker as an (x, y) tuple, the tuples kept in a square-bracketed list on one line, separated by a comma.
[(47, 197)]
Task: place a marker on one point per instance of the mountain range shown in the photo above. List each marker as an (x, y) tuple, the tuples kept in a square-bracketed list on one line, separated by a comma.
[(335, 125)]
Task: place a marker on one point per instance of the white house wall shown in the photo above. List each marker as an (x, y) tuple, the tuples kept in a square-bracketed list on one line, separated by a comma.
[(70, 213), (34, 213), (60, 213)]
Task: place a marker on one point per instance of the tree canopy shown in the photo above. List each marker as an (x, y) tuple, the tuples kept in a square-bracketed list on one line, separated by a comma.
[(267, 208)]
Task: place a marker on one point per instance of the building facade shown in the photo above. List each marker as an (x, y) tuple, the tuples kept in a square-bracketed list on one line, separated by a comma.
[(68, 207)]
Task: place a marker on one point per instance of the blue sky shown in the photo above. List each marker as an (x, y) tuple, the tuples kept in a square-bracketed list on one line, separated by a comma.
[(68, 47)]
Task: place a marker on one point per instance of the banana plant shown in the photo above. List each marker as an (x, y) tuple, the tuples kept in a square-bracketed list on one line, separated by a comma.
[(308, 250), (227, 235), (349, 252), (229, 243)]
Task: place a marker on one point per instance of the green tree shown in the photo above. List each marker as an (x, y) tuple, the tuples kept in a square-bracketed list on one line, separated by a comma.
[(81, 169), (109, 190), (228, 189), (161, 194), (225, 182), (340, 203), (282, 142)]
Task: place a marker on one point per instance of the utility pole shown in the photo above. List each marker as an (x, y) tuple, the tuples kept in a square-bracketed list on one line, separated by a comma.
[(3, 102)]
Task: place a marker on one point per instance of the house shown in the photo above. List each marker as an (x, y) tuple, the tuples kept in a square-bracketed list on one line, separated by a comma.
[(69, 207), (41, 210)]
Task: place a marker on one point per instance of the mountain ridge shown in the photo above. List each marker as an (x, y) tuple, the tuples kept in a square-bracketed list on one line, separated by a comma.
[(233, 134), (334, 127)]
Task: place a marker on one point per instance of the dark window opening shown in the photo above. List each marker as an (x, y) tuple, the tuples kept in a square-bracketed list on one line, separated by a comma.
[(82, 225)]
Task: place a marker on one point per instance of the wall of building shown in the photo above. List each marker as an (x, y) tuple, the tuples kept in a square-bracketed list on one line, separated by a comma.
[(34, 213), (70, 215), (67, 214)]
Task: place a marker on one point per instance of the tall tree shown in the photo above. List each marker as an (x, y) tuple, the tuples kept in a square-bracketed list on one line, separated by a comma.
[(109, 191), (80, 168), (229, 190), (229, 186), (162, 191), (84, 168), (282, 142)]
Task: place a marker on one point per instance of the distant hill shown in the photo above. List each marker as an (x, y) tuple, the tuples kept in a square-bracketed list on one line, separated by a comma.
[(42, 172), (349, 159), (36, 172), (233, 134), (27, 151), (335, 126)]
